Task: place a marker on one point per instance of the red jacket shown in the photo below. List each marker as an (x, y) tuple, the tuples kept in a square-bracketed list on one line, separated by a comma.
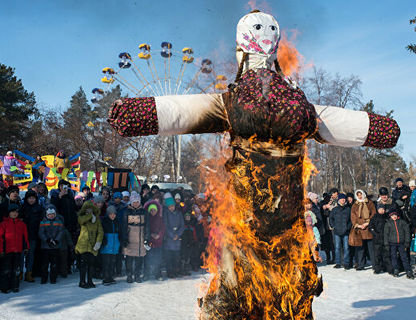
[(13, 236)]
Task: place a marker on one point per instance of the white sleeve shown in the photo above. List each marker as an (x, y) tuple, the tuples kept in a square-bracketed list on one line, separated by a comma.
[(342, 127), (198, 113)]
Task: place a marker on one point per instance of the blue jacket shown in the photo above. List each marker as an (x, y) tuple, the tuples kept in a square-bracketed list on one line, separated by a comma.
[(413, 198), (111, 241), (174, 227)]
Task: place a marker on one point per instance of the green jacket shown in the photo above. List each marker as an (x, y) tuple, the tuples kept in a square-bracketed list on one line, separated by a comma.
[(91, 233)]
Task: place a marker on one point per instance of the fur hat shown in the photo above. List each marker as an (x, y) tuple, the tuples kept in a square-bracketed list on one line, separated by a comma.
[(312, 196), (412, 183), (399, 180), (383, 191)]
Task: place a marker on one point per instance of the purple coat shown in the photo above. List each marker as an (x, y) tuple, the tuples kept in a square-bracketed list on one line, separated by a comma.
[(8, 162), (175, 226)]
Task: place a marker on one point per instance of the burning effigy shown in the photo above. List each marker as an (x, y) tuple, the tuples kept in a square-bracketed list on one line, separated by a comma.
[(259, 253)]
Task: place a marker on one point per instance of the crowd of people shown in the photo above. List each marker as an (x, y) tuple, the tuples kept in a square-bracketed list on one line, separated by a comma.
[(356, 230), (153, 234), (158, 233)]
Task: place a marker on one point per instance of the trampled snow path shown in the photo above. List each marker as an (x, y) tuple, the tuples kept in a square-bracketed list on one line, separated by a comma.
[(347, 295)]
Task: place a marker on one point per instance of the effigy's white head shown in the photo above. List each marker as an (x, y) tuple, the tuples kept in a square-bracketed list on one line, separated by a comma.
[(258, 33)]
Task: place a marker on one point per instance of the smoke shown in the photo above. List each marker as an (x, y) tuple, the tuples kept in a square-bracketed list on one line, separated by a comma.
[(262, 6)]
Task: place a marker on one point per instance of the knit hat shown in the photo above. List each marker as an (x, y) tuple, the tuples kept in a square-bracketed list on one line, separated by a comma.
[(178, 196), (412, 183), (383, 191), (399, 180), (125, 194), (12, 188), (169, 202), (135, 198), (111, 209), (50, 209), (98, 199), (151, 207), (12, 207), (342, 196), (31, 193), (312, 196), (393, 213), (117, 195), (167, 195), (9, 153)]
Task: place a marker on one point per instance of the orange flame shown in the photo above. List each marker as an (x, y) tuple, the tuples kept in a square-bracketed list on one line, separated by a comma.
[(290, 59), (239, 259)]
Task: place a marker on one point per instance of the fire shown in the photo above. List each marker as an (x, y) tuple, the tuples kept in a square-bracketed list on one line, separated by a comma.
[(256, 275), (290, 59)]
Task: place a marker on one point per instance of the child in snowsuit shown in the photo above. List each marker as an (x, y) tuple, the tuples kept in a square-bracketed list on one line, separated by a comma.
[(397, 237), (89, 242), (134, 236), (111, 244), (50, 233), (13, 241)]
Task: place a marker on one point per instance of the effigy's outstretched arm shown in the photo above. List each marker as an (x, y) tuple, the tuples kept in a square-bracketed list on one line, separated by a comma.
[(169, 115), (351, 128)]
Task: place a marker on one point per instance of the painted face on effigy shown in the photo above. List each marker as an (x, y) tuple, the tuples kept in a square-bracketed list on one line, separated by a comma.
[(258, 33)]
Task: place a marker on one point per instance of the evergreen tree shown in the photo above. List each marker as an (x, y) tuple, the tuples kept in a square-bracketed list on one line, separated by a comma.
[(17, 110)]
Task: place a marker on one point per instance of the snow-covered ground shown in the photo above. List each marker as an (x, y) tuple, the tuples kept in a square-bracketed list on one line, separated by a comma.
[(347, 295)]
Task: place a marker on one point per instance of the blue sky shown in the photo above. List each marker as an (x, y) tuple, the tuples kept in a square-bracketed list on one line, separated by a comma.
[(57, 46)]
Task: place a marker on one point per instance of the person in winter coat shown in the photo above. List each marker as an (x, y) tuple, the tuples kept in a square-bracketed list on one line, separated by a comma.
[(106, 194), (134, 239), (314, 235), (50, 233), (111, 244), (145, 193), (189, 244), (397, 238), (412, 206), (121, 209), (401, 197), (87, 193), (314, 198), (13, 241), (154, 235), (361, 213), (339, 219), (63, 199), (32, 214), (381, 254), (43, 194), (175, 226), (89, 242), (11, 198), (66, 252), (328, 203)]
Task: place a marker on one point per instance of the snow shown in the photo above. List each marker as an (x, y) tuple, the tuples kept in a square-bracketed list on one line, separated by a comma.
[(347, 295)]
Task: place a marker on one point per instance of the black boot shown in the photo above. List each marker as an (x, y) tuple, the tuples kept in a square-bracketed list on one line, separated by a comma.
[(82, 273), (410, 275), (90, 274), (396, 273)]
